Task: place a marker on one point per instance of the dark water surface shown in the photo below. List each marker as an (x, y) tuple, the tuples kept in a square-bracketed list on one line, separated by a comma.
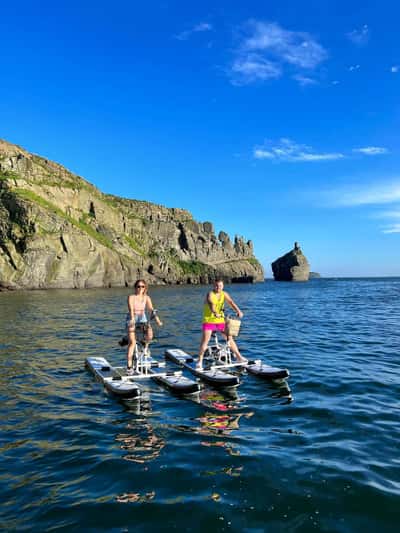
[(74, 458)]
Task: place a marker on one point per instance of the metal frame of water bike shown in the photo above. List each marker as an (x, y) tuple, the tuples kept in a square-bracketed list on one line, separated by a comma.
[(220, 353), (142, 356)]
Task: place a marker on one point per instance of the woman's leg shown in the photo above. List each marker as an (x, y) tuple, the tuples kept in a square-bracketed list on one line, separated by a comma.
[(131, 345), (235, 350), (206, 335), (149, 336)]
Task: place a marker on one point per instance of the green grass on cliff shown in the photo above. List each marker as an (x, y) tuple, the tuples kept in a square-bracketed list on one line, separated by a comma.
[(196, 268), (55, 175), (253, 261), (6, 175), (134, 245), (80, 224)]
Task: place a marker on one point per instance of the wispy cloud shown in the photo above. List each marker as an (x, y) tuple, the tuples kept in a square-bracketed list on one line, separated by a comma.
[(395, 69), (393, 228), (352, 68), (268, 49), (252, 68), (393, 216), (304, 81), (297, 48), (202, 27), (371, 150), (373, 195), (387, 214), (360, 36), (287, 150)]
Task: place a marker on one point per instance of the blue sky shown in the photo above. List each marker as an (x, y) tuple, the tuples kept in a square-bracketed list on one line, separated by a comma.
[(278, 121)]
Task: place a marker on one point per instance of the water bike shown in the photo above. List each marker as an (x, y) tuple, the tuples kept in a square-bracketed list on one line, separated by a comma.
[(218, 355), (218, 362), (117, 380), (211, 376), (114, 381)]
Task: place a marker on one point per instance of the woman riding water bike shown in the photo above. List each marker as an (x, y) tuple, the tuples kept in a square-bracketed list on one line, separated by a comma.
[(214, 320), (138, 304)]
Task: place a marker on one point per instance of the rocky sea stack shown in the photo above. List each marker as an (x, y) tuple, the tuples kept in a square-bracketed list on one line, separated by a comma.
[(59, 231), (292, 266)]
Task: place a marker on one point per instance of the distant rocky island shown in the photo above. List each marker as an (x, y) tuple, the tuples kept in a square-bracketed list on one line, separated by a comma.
[(292, 266), (57, 230)]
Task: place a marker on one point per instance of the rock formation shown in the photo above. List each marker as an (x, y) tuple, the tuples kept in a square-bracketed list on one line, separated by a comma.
[(314, 275), (59, 231), (292, 266)]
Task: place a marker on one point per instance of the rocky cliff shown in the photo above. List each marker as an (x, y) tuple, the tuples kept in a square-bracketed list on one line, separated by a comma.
[(292, 266), (58, 230)]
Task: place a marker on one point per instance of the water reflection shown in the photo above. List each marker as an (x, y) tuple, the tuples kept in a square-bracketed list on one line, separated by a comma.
[(282, 391), (226, 400), (141, 442), (230, 448), (219, 424), (135, 497), (142, 446)]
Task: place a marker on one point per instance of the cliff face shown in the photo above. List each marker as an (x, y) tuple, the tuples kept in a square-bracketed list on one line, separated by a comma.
[(58, 230), (292, 266)]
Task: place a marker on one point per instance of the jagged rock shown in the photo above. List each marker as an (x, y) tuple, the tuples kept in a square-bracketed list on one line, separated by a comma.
[(292, 266), (208, 227), (58, 230)]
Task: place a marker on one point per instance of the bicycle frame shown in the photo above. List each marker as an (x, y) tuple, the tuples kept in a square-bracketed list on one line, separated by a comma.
[(219, 353), (142, 355)]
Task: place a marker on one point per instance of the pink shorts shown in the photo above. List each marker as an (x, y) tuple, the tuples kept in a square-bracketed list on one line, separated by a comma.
[(207, 326)]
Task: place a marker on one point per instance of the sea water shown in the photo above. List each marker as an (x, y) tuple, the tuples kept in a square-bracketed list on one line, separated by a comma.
[(320, 453)]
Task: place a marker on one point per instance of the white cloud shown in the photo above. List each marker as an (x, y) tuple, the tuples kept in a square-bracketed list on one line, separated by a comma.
[(287, 150), (387, 214), (277, 48), (376, 196), (395, 69), (297, 48), (202, 27), (371, 150), (359, 37), (369, 195), (354, 67), (394, 228), (253, 68), (259, 153), (304, 81)]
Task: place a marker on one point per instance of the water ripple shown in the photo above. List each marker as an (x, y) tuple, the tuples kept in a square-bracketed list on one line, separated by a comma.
[(319, 454)]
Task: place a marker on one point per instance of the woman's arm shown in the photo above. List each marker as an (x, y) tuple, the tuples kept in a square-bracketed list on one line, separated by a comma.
[(131, 307), (233, 305), (149, 305)]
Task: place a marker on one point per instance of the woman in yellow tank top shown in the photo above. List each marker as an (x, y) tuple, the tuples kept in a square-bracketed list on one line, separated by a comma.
[(214, 320)]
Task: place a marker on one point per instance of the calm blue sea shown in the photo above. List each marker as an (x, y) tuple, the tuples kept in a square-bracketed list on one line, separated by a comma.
[(319, 454)]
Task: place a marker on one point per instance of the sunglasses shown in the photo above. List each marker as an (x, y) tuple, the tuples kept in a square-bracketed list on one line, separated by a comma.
[(140, 286)]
